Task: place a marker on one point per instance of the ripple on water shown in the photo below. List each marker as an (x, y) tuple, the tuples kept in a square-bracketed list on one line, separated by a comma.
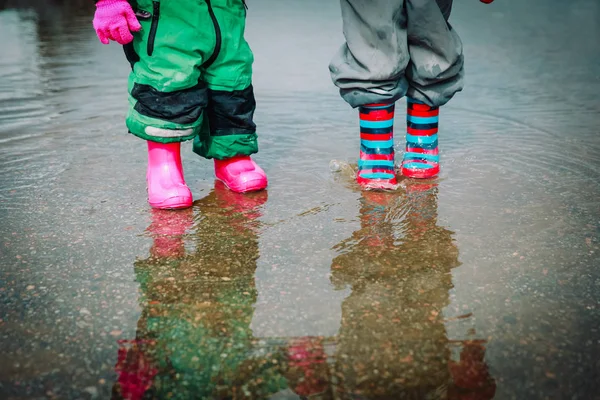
[(21, 79), (23, 172), (490, 143)]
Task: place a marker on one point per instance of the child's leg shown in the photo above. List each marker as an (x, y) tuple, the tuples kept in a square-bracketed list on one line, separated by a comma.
[(435, 74), (435, 71), (369, 67), (376, 161), (164, 177), (167, 97), (369, 70), (229, 133), (421, 157)]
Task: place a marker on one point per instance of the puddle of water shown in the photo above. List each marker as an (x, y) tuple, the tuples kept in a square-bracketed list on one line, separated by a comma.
[(481, 284)]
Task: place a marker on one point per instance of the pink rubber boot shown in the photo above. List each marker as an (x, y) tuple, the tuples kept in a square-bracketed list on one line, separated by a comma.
[(166, 186), (240, 174)]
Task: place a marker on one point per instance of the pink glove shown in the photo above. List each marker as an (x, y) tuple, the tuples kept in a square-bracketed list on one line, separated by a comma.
[(115, 20)]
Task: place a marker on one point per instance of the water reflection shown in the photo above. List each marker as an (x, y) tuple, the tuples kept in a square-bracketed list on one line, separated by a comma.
[(393, 342), (528, 242), (193, 338), (198, 294)]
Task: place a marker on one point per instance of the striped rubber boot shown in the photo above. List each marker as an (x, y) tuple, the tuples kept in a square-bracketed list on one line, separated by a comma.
[(376, 162), (421, 158)]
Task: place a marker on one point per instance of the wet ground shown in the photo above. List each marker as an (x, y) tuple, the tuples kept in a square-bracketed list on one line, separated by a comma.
[(483, 284)]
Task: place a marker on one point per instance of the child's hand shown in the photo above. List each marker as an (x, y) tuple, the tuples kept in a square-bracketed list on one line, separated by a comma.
[(115, 20)]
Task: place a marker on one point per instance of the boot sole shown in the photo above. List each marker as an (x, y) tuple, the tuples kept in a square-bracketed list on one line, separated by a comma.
[(420, 174), (172, 205), (377, 184), (249, 188)]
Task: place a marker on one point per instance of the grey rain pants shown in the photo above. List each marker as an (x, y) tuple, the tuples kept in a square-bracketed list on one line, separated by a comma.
[(395, 48)]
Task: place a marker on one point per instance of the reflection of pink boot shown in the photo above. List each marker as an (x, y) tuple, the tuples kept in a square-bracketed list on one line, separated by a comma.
[(247, 204), (166, 186), (167, 230), (240, 174)]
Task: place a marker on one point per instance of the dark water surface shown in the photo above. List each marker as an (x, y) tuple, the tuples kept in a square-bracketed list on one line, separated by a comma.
[(483, 284)]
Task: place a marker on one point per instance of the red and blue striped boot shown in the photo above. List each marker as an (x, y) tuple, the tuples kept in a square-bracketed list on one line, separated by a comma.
[(421, 159), (376, 162)]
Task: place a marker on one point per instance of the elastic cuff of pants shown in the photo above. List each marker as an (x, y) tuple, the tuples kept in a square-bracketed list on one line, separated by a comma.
[(419, 98), (158, 131), (377, 105), (227, 146), (360, 97), (432, 100), (165, 140), (220, 156)]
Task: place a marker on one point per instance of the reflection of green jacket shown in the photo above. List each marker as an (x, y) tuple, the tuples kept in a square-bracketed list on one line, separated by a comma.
[(197, 311)]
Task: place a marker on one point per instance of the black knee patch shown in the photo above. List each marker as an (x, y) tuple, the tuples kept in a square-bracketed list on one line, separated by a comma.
[(231, 113), (180, 107)]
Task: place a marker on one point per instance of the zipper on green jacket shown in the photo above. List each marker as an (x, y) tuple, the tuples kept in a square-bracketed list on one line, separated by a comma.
[(153, 26), (218, 39)]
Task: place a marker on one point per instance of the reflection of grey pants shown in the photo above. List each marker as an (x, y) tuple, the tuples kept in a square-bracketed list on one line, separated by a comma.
[(395, 48)]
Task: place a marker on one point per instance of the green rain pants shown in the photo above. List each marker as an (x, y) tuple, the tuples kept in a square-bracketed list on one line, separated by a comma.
[(192, 76)]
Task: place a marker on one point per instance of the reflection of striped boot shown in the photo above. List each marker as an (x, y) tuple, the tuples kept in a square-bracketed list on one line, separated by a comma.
[(376, 162), (421, 159)]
